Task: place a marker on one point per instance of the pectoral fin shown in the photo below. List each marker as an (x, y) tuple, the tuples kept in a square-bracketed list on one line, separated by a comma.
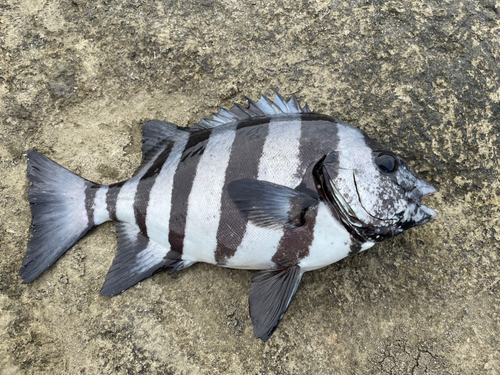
[(270, 205), (269, 297)]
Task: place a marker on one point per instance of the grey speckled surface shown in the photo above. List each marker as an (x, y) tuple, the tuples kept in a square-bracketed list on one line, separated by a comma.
[(77, 80)]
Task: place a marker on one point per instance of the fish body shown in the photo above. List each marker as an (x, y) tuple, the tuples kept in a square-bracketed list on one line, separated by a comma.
[(274, 187)]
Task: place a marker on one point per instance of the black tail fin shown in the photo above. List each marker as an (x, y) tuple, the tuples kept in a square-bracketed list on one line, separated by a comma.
[(62, 208)]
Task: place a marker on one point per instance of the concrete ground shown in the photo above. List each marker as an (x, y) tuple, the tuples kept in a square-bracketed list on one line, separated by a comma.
[(78, 78)]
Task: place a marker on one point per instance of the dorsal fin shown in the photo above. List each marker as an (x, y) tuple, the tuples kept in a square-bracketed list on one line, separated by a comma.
[(156, 136), (264, 107), (154, 132)]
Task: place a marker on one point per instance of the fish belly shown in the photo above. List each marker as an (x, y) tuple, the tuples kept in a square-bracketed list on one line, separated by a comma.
[(331, 241)]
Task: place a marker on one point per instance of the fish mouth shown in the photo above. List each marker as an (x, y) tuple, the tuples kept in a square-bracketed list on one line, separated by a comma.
[(429, 213), (423, 189)]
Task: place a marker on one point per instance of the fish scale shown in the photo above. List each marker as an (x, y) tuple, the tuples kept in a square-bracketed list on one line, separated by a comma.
[(273, 187)]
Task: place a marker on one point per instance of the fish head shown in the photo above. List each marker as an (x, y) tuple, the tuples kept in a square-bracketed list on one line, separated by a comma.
[(372, 189)]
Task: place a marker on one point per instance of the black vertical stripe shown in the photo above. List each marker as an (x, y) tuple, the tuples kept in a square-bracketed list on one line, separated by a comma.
[(295, 242), (318, 138), (355, 246), (182, 185), (111, 197), (243, 163), (90, 192), (141, 199)]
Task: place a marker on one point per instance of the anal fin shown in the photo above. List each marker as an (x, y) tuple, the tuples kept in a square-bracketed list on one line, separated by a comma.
[(270, 295), (137, 258)]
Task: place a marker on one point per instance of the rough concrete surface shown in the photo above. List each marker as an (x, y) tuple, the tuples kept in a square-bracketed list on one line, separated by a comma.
[(78, 78)]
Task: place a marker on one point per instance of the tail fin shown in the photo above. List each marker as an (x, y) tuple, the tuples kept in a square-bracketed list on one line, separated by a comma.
[(62, 208)]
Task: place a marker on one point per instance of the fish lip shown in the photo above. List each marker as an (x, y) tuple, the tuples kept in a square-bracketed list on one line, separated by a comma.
[(424, 189), (429, 211)]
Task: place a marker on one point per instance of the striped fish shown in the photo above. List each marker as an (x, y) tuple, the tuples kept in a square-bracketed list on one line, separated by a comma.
[(273, 187)]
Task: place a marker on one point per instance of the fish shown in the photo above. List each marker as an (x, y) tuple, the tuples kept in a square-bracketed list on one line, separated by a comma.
[(273, 187)]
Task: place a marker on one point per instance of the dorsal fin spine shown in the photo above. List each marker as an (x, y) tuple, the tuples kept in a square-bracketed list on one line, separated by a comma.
[(280, 102), (254, 107), (264, 107), (241, 112), (293, 103), (268, 106)]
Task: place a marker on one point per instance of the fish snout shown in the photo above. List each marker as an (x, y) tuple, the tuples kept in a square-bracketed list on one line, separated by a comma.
[(420, 189), (425, 188)]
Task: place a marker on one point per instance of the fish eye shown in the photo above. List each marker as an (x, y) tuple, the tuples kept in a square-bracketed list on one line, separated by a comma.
[(386, 162)]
